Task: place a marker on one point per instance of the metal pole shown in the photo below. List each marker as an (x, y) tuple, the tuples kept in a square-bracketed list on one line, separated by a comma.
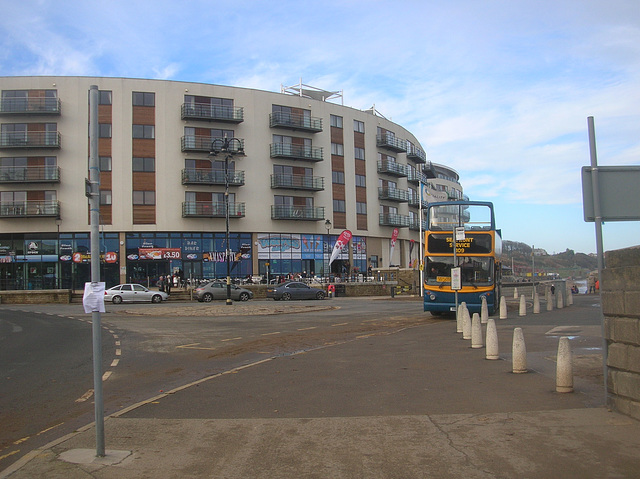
[(421, 262), (94, 206), (226, 200), (533, 270)]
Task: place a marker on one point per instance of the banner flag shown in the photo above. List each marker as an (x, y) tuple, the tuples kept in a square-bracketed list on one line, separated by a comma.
[(394, 237), (341, 242)]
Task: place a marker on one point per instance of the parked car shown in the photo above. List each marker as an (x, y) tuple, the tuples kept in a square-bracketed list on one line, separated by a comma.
[(216, 290), (133, 292), (294, 290)]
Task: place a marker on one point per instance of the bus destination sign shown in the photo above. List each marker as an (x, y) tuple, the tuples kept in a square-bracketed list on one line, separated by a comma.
[(473, 243)]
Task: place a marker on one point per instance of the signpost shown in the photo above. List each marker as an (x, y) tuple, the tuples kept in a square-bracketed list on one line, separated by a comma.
[(456, 281)]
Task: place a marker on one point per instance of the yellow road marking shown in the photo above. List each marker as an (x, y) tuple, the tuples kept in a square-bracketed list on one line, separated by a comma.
[(340, 324), (307, 329), (231, 339), (193, 346), (10, 454), (270, 334)]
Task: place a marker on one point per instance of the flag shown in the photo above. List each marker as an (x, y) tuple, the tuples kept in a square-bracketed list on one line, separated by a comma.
[(341, 242), (394, 237)]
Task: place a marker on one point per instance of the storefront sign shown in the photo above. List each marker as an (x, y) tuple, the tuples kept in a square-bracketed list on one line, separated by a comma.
[(159, 253)]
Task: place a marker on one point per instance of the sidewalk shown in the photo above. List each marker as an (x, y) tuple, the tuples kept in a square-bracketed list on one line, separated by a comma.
[(416, 403)]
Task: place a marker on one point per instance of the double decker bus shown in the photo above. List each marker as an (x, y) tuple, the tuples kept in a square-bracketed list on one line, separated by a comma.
[(475, 263)]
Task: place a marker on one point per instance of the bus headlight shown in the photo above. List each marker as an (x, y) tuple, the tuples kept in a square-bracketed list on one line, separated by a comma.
[(432, 297)]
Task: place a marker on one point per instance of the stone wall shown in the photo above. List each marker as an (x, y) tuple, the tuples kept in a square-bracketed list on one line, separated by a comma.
[(36, 296), (620, 289)]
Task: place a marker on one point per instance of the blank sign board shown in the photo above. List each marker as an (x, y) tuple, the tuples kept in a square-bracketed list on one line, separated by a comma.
[(619, 188)]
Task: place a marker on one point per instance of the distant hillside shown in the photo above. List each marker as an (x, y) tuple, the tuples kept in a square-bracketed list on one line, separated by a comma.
[(566, 264)]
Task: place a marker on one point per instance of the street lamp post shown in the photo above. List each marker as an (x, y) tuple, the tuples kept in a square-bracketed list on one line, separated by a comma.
[(230, 147), (327, 225)]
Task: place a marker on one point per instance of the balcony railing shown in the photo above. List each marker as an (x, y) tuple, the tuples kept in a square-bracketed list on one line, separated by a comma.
[(297, 182), (27, 209), (392, 168), (207, 209), (208, 112), (296, 152), (302, 213), (202, 143), (416, 154), (201, 176), (429, 171), (393, 219), (415, 176), (30, 106), (392, 143), (415, 225), (295, 121), (29, 174), (393, 194), (32, 139)]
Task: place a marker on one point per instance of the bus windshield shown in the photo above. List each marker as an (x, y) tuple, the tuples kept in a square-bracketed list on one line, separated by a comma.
[(476, 270), (472, 217)]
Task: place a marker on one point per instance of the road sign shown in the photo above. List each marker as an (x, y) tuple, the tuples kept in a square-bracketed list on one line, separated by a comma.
[(459, 233), (619, 193), (456, 279)]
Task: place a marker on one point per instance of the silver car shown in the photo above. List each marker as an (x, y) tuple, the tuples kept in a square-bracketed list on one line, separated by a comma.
[(215, 290), (132, 292)]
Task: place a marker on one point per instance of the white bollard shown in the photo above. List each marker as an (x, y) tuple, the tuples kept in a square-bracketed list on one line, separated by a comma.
[(523, 306), (466, 324), (476, 332), (519, 352), (503, 307), (564, 367), (560, 301), (549, 302), (459, 311), (515, 293), (536, 304), (569, 298), (492, 340), (484, 311)]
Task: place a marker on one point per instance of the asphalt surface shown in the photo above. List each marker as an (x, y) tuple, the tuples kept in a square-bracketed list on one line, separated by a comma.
[(413, 402)]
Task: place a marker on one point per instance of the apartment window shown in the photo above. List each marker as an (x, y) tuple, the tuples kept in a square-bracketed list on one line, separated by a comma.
[(144, 164), (361, 208), (144, 131), (144, 197), (337, 149), (361, 180), (144, 98), (336, 121), (104, 130), (337, 177), (105, 163), (358, 126), (339, 206), (358, 153), (105, 197), (104, 97)]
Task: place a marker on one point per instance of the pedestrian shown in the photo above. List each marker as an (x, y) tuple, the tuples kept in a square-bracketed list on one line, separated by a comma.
[(167, 284), (160, 284)]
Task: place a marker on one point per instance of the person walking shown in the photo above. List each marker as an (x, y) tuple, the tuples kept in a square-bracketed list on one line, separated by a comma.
[(168, 284), (160, 284)]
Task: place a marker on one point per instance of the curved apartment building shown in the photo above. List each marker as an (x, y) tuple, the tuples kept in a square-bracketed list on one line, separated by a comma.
[(301, 170)]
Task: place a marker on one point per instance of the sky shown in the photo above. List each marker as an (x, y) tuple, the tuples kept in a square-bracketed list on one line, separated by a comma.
[(499, 90)]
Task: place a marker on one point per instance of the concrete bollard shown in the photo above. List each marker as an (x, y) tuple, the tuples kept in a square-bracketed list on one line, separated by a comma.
[(523, 306), (484, 311), (564, 367), (569, 298), (459, 314), (560, 300), (503, 307), (536, 303), (492, 340), (549, 302), (466, 324), (515, 293), (476, 332), (519, 352)]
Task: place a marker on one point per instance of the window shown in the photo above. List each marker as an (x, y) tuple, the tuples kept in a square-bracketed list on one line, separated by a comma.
[(358, 126), (337, 177), (144, 197), (336, 121), (361, 208), (104, 130), (144, 131), (358, 153), (339, 206), (337, 149), (104, 97), (144, 164), (105, 163), (105, 197), (144, 98), (361, 180)]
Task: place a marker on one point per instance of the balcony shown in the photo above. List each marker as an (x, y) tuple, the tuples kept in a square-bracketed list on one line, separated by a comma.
[(202, 144), (414, 224), (30, 209), (300, 213), (429, 171), (32, 139), (416, 154), (297, 182), (29, 174), (295, 121), (390, 142), (393, 219), (29, 106), (207, 209), (208, 112), (200, 176), (392, 168), (296, 152), (414, 200), (393, 194), (414, 176)]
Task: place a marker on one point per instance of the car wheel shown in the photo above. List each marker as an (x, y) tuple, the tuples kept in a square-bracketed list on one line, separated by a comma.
[(156, 298), (244, 296), (207, 297), (116, 300), (286, 296), (320, 295)]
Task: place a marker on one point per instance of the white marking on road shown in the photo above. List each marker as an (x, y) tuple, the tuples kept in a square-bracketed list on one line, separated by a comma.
[(307, 329), (118, 352), (194, 346), (270, 334), (106, 375), (85, 396), (114, 363), (339, 324), (231, 339)]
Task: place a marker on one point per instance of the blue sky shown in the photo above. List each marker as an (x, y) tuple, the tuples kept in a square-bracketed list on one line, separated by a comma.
[(499, 90)]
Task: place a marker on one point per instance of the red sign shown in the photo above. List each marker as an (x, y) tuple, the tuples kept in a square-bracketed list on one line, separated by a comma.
[(111, 257), (160, 253)]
